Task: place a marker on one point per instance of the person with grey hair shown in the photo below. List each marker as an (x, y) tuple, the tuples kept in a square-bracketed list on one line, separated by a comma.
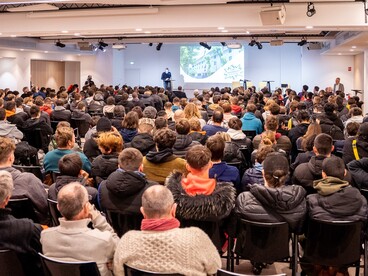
[(19, 235), (84, 244), (161, 246)]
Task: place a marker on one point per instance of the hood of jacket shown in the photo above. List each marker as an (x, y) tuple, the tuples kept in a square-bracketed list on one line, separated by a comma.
[(329, 185), (182, 141), (107, 163), (143, 142), (194, 185), (98, 97), (236, 134), (128, 134), (315, 165), (249, 116), (124, 184), (280, 199), (78, 114), (214, 207), (236, 109), (63, 180), (59, 108), (31, 123), (162, 156), (6, 128)]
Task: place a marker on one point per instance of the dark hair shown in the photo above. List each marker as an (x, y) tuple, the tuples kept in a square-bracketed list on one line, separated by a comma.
[(274, 108), (323, 144), (137, 109), (182, 126), (218, 116), (164, 138), (216, 145), (334, 166), (276, 169), (303, 115), (251, 108), (110, 100), (160, 123), (235, 123), (352, 128), (81, 105), (262, 153), (70, 164), (272, 123), (329, 108), (131, 120), (130, 159), (34, 111), (305, 87), (2, 114), (198, 157), (9, 105)]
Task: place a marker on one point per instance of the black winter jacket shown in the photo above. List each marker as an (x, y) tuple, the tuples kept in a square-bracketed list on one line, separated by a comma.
[(263, 204), (213, 207), (348, 154), (182, 144), (104, 165), (122, 191), (332, 126), (359, 172), (142, 142)]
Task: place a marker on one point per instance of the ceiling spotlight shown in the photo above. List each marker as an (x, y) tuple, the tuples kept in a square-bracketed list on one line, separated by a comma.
[(59, 44), (223, 44), (302, 42), (158, 47), (102, 44), (259, 45), (252, 42), (310, 9), (150, 44), (205, 45)]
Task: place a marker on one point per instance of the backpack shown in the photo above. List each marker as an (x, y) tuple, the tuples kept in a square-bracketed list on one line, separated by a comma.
[(25, 154), (336, 133)]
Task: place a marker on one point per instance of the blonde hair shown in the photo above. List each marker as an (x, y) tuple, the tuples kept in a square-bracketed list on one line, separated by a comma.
[(191, 110), (226, 137), (110, 141)]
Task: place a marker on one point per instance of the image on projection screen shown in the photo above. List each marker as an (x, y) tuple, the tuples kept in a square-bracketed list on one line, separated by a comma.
[(218, 65)]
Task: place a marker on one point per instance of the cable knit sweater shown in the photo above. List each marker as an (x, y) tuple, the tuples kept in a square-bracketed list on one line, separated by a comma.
[(187, 251)]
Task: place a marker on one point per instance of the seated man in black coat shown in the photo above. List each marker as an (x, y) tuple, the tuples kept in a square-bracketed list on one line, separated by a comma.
[(306, 173), (60, 113), (19, 235), (123, 189)]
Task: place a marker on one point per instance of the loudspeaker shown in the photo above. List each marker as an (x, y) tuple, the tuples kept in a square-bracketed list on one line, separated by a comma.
[(85, 46), (274, 15), (276, 42), (314, 46)]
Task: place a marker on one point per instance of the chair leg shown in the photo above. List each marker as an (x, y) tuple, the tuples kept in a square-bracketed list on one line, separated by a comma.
[(228, 257), (365, 256), (295, 255)]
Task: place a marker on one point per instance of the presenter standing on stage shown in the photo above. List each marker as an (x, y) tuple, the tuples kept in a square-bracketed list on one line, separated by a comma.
[(166, 78), (338, 86)]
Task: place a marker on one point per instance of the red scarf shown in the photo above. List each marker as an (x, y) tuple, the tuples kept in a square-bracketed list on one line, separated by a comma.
[(159, 224)]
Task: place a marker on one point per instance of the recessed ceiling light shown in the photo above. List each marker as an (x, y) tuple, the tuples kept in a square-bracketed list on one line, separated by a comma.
[(65, 32), (247, 32), (224, 31), (77, 34), (22, 50), (339, 54), (46, 52), (309, 27), (13, 36), (132, 62), (1, 33), (79, 55), (353, 47), (147, 32), (138, 29), (351, 50), (221, 28)]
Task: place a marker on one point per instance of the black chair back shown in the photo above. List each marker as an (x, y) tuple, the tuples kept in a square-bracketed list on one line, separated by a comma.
[(130, 271), (222, 272), (34, 138), (10, 264), (247, 153), (36, 170), (263, 242), (250, 134), (22, 208), (54, 125), (333, 243), (122, 223), (82, 125), (53, 267), (54, 212)]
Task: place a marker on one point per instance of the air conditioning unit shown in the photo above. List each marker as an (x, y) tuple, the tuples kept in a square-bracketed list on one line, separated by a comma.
[(85, 46), (234, 45), (314, 46), (276, 42), (274, 15), (119, 46)]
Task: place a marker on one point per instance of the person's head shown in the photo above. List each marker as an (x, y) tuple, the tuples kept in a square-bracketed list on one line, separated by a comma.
[(146, 125), (262, 153), (198, 159), (6, 188), (160, 123), (150, 112), (72, 201), (103, 125), (131, 120), (275, 169), (168, 106), (81, 106), (34, 111), (179, 114), (119, 111), (164, 139), (305, 87), (251, 108), (191, 110), (303, 116), (352, 128), (235, 123), (334, 167), (10, 106), (7, 148), (329, 108), (110, 143), (323, 145), (157, 203), (272, 123), (363, 131), (216, 145), (138, 110), (337, 81), (110, 100), (2, 114), (70, 164), (355, 111), (64, 137), (182, 127), (176, 101), (131, 159), (274, 108), (226, 107), (217, 117)]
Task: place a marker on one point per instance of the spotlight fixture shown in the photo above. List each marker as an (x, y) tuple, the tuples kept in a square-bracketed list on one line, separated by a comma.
[(102, 44), (259, 45), (150, 44), (59, 44), (205, 45), (158, 47), (310, 9), (302, 42), (223, 44), (252, 42)]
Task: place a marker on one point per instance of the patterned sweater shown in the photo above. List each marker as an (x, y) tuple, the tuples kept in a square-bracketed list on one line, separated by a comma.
[(187, 251)]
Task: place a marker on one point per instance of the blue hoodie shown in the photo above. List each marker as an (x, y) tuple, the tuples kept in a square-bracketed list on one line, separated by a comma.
[(251, 122), (225, 173)]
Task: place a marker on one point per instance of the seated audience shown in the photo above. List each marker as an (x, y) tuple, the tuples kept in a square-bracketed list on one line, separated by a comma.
[(110, 145), (9, 130), (14, 118), (356, 147), (250, 121), (108, 109), (192, 111), (65, 141), (298, 131), (359, 172), (122, 190), (198, 196), (236, 134), (160, 244), (60, 113), (220, 170), (143, 141), (183, 141), (195, 131), (118, 117), (232, 152), (157, 165), (254, 175), (83, 243), (19, 235), (330, 123), (217, 118), (129, 126), (80, 113)]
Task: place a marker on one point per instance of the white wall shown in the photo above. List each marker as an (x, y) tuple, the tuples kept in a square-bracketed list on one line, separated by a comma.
[(7, 73), (359, 71)]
